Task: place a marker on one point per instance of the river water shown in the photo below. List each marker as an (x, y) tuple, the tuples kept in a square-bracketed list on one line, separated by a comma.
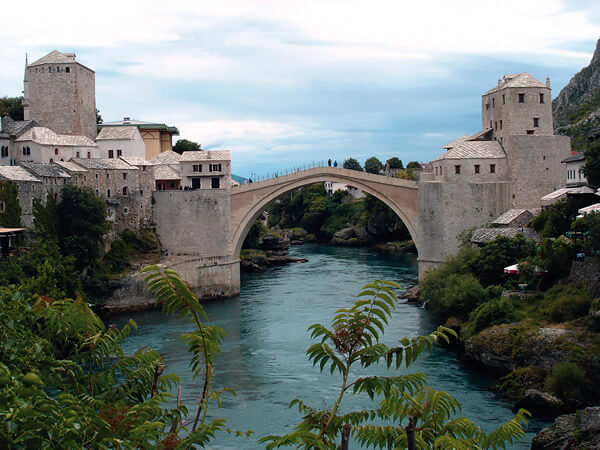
[(263, 356)]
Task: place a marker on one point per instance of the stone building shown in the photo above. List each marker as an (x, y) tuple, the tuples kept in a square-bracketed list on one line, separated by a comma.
[(574, 168), (53, 178), (206, 169), (29, 188), (157, 137), (42, 145), (60, 93), (114, 142), (10, 130), (167, 171)]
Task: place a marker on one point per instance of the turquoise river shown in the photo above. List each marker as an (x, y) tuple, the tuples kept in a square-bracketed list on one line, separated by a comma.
[(263, 356)]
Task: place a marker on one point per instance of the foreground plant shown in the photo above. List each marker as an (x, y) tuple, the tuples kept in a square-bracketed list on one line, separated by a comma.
[(410, 413)]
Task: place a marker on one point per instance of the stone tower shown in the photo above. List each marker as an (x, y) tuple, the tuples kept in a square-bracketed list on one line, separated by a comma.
[(60, 93)]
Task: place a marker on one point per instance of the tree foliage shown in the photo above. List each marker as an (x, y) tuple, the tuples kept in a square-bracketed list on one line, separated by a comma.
[(183, 145), (394, 163), (408, 407), (413, 165), (373, 165), (9, 197), (81, 224), (12, 107), (352, 164), (591, 168)]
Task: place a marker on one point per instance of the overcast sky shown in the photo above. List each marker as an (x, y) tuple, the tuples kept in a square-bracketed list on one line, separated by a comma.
[(284, 83)]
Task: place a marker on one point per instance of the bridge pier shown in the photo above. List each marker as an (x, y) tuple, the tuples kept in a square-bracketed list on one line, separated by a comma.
[(212, 277)]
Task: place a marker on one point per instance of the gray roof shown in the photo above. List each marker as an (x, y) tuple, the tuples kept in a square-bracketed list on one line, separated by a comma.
[(16, 173), (45, 170), (455, 142), (114, 133), (519, 80), (217, 155), (164, 172), (510, 215), (102, 163), (579, 156), (568, 190), (70, 166), (168, 157), (55, 57), (474, 150), (483, 235), (136, 160), (16, 127), (45, 136)]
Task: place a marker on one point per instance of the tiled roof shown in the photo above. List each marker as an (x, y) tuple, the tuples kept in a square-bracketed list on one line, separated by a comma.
[(45, 136), (474, 150), (168, 157), (456, 142), (70, 166), (510, 215), (164, 172), (110, 133), (564, 191), (217, 155), (16, 173), (102, 163), (520, 80), (55, 57), (16, 127), (136, 160), (142, 125), (45, 170), (483, 235), (579, 156)]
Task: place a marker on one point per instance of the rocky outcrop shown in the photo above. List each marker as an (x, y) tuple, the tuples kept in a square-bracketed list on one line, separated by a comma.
[(260, 263), (580, 430), (581, 88), (412, 295), (540, 403)]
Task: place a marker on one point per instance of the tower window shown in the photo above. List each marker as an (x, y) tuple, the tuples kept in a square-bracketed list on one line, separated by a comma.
[(530, 131), (56, 151), (492, 168), (124, 175), (490, 124), (89, 155), (77, 154), (111, 153), (541, 97), (119, 153), (108, 193), (215, 184), (536, 122), (457, 169), (500, 124), (496, 126), (493, 102), (503, 99), (125, 190), (521, 98), (476, 168), (67, 69)]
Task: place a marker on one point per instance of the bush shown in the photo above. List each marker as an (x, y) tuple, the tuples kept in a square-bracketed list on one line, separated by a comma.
[(565, 380), (567, 302), (143, 241), (117, 256), (458, 296), (494, 312)]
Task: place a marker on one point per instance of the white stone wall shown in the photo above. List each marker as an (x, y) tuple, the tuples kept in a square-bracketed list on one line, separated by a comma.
[(47, 153), (445, 170), (129, 147), (575, 175), (536, 168), (187, 173)]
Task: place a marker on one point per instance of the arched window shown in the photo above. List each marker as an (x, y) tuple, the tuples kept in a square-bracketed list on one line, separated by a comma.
[(89, 155), (77, 154), (125, 190), (28, 150), (56, 151), (24, 150), (108, 193), (97, 193)]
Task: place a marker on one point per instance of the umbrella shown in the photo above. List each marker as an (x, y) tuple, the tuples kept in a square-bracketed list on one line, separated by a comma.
[(515, 269)]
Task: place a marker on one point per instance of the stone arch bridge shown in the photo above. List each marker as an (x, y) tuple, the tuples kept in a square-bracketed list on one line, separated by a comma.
[(203, 230)]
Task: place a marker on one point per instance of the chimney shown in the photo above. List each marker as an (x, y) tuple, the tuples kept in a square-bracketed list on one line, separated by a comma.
[(548, 82)]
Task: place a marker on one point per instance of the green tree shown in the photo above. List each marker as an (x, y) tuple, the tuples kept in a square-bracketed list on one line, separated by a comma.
[(183, 145), (10, 209), (413, 165), (45, 219), (81, 225), (409, 410), (394, 163), (12, 107), (99, 119), (352, 164), (373, 165), (591, 168)]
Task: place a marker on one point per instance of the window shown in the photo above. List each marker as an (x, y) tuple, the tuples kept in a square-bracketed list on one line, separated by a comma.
[(521, 98), (541, 97), (89, 155), (457, 169), (476, 168), (67, 69), (492, 168), (125, 211), (496, 126), (215, 182), (500, 124), (24, 151), (96, 176), (97, 193), (51, 160), (124, 175), (108, 176), (493, 102), (77, 154), (197, 168), (28, 150), (56, 151), (2, 207), (214, 167), (436, 171), (111, 153), (487, 106), (490, 124), (108, 193), (125, 191), (503, 99), (141, 192), (536, 122), (530, 131), (195, 183), (119, 153), (441, 170)]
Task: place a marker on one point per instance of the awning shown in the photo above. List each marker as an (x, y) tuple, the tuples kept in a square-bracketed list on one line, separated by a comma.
[(514, 269)]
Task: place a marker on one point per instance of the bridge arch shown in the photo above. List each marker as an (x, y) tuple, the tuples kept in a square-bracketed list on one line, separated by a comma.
[(248, 201)]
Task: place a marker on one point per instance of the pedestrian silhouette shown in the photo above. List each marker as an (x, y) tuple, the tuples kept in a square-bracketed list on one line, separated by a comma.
[(329, 162), (335, 163)]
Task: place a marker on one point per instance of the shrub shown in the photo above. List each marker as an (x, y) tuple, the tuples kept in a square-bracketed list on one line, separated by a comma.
[(565, 380), (494, 312), (567, 302), (116, 258), (459, 295)]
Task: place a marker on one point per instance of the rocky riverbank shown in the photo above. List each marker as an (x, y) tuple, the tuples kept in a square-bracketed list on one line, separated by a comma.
[(272, 251)]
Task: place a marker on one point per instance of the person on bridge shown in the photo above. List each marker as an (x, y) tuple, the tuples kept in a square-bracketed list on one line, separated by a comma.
[(329, 162), (335, 163)]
